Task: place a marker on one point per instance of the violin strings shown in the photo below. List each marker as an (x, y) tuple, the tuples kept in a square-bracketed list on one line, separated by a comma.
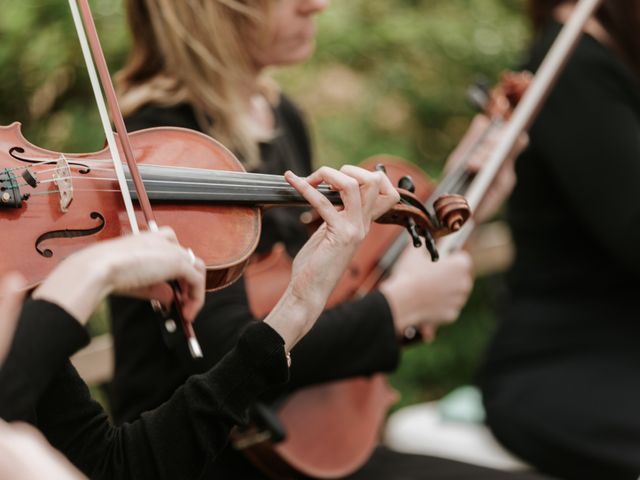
[(243, 178), (93, 190), (324, 189), (216, 183)]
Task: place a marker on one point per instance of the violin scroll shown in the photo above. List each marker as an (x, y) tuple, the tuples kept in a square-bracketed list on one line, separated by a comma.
[(450, 212)]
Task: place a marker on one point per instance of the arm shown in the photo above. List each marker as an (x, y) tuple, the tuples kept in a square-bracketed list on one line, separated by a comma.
[(45, 338), (52, 325), (173, 441), (354, 338), (11, 296), (27, 455)]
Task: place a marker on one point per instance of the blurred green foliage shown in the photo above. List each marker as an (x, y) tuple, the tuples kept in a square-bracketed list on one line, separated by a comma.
[(389, 76)]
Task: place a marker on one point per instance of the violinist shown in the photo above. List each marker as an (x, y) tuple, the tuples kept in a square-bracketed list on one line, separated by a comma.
[(560, 382), (181, 437), (202, 65)]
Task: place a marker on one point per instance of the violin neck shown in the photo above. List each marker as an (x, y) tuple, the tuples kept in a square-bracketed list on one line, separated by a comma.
[(193, 185)]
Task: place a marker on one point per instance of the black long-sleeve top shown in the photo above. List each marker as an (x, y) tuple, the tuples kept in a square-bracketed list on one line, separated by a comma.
[(557, 383), (179, 439), (354, 338)]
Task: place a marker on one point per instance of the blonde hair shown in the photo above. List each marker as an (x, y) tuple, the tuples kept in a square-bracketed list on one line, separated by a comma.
[(197, 51)]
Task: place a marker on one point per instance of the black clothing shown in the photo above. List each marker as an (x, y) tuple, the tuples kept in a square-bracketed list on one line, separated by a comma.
[(355, 338), (561, 378), (179, 439)]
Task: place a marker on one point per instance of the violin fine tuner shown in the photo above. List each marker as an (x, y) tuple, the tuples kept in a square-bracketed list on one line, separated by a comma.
[(10, 195)]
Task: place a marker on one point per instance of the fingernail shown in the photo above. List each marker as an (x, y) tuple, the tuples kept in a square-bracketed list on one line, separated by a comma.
[(291, 174)]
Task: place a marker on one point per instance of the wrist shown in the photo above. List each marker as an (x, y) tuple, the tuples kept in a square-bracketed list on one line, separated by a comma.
[(77, 286), (399, 306), (292, 318)]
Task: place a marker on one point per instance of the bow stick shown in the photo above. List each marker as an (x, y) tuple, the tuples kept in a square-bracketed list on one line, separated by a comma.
[(524, 114), (92, 52)]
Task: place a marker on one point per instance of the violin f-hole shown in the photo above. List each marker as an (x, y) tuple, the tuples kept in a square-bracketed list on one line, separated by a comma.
[(48, 253), (14, 151)]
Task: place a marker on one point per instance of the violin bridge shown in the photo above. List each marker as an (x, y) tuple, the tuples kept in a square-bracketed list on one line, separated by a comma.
[(62, 178)]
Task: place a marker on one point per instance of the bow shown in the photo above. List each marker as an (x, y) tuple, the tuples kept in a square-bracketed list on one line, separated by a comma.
[(101, 80)]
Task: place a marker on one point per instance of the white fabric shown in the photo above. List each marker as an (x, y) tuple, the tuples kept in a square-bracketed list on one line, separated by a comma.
[(422, 430)]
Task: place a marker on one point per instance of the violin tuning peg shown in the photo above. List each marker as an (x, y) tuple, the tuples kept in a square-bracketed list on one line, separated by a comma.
[(406, 183), (381, 168), (430, 243), (413, 232), (478, 95)]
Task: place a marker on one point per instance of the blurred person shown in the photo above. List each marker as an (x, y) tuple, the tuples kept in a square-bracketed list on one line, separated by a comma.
[(560, 382), (180, 438), (203, 65)]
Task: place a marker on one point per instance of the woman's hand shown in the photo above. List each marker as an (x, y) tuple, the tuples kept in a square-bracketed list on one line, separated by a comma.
[(136, 265), (424, 294), (505, 179), (12, 292), (25, 454), (320, 263)]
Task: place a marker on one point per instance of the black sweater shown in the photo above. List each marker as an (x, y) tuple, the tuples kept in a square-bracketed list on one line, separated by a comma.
[(179, 439), (560, 382)]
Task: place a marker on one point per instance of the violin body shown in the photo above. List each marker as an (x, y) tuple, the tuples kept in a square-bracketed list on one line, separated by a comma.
[(224, 236), (331, 428), (64, 202)]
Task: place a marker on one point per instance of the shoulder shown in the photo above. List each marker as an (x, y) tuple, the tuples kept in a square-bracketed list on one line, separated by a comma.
[(152, 115)]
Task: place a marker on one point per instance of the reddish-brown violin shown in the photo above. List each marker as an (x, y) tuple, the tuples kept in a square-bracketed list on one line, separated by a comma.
[(57, 203)]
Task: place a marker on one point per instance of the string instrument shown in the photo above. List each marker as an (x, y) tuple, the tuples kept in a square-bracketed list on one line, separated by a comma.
[(61, 202), (332, 429)]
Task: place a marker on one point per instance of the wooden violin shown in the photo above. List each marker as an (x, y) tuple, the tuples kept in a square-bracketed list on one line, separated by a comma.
[(56, 203)]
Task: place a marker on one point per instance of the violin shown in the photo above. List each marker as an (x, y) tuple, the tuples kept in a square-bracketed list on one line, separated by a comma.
[(57, 203)]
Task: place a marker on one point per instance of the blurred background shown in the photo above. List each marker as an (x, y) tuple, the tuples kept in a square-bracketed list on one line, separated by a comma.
[(389, 76)]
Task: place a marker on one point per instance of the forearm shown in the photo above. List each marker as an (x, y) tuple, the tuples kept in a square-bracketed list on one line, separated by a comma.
[(46, 336), (177, 439), (352, 339)]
